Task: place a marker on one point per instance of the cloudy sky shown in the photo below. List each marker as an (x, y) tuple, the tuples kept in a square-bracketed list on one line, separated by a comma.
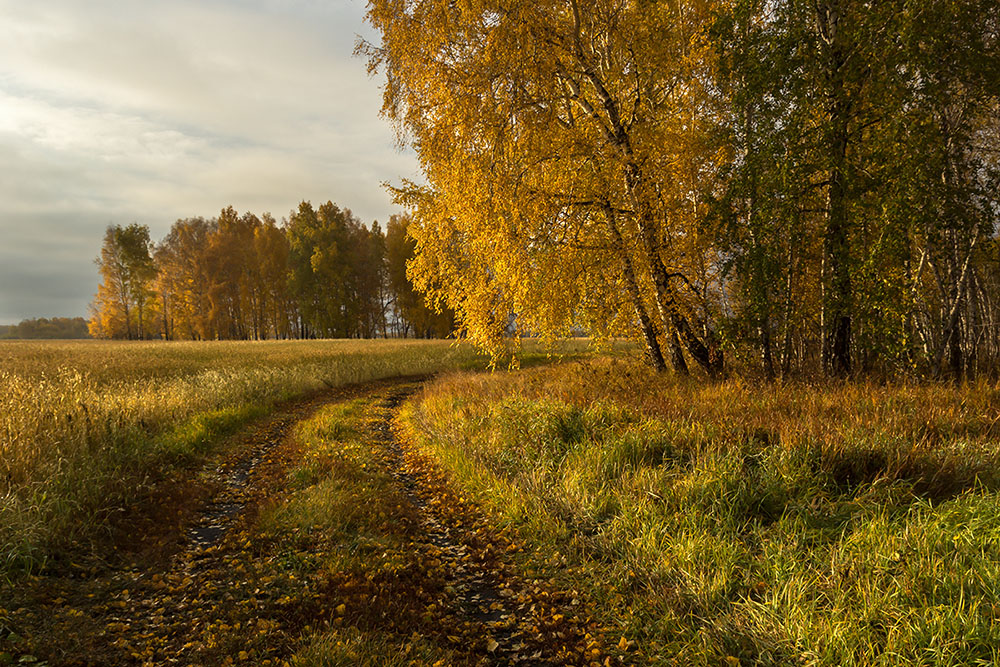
[(152, 110)]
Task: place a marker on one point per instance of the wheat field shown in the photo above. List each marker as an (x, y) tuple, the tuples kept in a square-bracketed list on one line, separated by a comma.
[(83, 422)]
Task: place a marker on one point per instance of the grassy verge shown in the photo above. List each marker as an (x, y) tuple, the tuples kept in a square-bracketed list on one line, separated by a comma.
[(735, 524), (85, 425)]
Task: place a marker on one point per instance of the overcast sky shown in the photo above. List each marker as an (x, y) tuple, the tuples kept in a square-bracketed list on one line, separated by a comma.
[(152, 110)]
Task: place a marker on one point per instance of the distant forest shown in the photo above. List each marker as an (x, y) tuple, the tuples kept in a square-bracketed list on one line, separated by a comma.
[(321, 273), (43, 327)]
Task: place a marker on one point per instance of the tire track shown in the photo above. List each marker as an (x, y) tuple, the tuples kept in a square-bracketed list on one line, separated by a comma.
[(223, 599), (515, 624)]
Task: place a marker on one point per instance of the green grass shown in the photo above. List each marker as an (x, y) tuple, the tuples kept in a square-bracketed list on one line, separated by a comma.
[(340, 495), (346, 520), (853, 524)]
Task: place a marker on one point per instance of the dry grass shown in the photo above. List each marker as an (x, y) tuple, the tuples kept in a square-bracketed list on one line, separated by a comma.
[(83, 423), (854, 524)]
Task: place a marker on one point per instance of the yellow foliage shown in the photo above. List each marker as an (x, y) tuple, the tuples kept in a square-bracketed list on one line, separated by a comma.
[(563, 159)]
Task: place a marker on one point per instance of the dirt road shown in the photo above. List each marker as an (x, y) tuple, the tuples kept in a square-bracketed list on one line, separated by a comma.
[(192, 577)]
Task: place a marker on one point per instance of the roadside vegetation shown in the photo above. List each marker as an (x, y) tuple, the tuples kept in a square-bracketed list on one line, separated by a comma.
[(85, 427), (732, 523)]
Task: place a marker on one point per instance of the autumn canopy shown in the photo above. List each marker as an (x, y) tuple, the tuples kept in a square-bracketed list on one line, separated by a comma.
[(790, 184), (319, 273)]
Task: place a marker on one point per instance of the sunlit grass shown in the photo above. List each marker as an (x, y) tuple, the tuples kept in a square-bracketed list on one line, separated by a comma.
[(83, 425), (853, 524)]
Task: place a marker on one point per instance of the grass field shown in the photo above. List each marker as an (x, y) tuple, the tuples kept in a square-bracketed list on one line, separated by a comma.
[(85, 424), (705, 523), (730, 523)]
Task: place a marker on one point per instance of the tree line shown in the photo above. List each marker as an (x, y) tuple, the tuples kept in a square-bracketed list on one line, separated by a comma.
[(787, 185), (45, 328), (320, 273)]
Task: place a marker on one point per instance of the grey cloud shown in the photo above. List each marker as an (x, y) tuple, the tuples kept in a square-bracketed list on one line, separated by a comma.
[(46, 271), (116, 112)]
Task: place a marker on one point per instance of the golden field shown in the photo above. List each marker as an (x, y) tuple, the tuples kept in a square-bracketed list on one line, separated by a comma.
[(83, 423)]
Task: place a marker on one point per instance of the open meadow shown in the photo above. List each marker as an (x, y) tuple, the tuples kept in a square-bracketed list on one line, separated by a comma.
[(736, 523), (613, 512), (85, 424)]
